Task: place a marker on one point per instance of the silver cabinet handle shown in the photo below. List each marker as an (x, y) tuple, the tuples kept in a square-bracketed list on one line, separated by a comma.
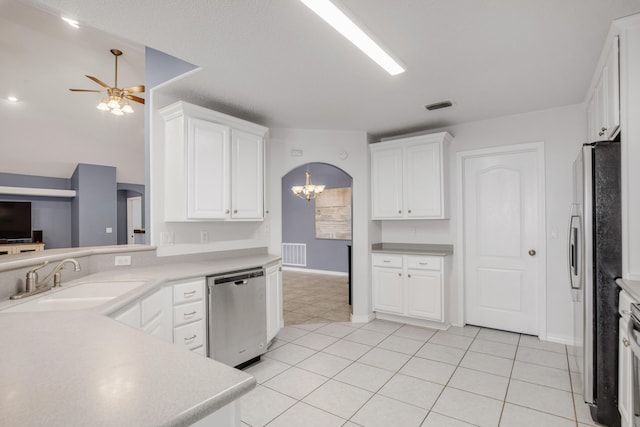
[(189, 315), (409, 276), (625, 342), (235, 211), (189, 294), (386, 260), (532, 252), (409, 210), (423, 263), (227, 211), (399, 274), (189, 340), (399, 211)]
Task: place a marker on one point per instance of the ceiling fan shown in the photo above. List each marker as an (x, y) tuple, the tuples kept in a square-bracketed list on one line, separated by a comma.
[(118, 98)]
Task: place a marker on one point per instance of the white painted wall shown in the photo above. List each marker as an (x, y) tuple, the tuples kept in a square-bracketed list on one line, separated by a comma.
[(325, 147), (562, 130)]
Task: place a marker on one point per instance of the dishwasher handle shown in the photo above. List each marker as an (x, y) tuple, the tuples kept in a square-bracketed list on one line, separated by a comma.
[(240, 282)]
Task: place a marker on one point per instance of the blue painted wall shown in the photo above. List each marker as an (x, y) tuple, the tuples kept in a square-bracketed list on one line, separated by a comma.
[(52, 215), (94, 207), (298, 218)]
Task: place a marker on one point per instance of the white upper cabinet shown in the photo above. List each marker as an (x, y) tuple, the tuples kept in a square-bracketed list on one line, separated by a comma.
[(208, 168), (213, 165), (603, 113), (248, 172), (408, 178)]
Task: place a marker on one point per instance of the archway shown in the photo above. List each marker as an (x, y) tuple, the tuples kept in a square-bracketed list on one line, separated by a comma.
[(316, 246)]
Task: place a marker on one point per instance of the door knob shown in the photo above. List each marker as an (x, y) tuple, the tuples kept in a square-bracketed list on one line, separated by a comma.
[(532, 252)]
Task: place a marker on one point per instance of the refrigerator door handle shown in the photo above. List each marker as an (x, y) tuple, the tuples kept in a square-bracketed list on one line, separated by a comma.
[(574, 252)]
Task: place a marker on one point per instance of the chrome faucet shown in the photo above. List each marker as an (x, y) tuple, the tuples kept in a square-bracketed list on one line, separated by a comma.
[(33, 286)]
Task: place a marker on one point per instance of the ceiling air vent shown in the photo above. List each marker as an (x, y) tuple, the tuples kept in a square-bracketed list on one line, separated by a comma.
[(438, 105)]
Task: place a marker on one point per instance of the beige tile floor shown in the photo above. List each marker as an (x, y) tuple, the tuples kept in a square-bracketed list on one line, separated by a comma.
[(322, 370), (391, 374), (314, 298)]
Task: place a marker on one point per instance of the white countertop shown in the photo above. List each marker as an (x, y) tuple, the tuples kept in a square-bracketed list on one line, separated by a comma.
[(631, 286), (412, 249), (83, 368)]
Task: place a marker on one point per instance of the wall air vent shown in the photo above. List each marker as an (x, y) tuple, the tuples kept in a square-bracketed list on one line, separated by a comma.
[(438, 105)]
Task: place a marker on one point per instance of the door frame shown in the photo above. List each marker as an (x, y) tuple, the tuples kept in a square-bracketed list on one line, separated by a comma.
[(130, 227), (538, 149)]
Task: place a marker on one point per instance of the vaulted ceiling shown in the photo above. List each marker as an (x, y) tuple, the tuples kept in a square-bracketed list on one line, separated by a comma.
[(277, 63)]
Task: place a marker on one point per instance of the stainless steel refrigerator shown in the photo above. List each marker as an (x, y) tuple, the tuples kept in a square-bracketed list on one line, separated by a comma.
[(594, 264)]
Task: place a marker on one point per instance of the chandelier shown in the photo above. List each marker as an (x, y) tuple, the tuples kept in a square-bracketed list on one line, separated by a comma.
[(307, 191)]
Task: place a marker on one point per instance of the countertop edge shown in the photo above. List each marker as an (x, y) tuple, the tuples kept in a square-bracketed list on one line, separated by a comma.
[(412, 249), (632, 287)]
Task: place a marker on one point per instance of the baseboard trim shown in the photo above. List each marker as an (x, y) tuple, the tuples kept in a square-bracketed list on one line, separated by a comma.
[(362, 318), (412, 321), (311, 271), (560, 339)]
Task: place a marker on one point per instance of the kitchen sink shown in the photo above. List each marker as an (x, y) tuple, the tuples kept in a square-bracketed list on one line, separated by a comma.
[(78, 297)]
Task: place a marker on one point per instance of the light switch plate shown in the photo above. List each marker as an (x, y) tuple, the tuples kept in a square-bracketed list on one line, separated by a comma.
[(108, 230)]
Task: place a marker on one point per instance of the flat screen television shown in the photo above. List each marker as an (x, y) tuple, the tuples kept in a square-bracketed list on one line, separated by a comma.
[(15, 220)]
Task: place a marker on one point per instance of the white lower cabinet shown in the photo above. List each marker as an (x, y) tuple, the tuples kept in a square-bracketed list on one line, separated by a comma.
[(409, 285), (189, 315), (625, 360), (175, 313), (150, 313), (275, 319)]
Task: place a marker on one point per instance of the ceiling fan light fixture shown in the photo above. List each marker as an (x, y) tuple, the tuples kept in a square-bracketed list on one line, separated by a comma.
[(117, 112), (113, 102), (127, 108), (102, 106)]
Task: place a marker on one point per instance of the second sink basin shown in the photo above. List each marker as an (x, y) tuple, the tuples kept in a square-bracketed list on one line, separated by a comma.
[(78, 297)]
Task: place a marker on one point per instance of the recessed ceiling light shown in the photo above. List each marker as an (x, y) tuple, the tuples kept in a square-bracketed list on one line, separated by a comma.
[(12, 98), (71, 22), (335, 17)]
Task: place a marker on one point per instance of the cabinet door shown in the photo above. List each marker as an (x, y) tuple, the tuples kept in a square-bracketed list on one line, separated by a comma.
[(625, 385), (388, 290), (601, 106), (386, 183), (156, 314), (424, 294), (612, 102), (247, 184), (274, 301), (129, 316), (423, 180), (207, 170)]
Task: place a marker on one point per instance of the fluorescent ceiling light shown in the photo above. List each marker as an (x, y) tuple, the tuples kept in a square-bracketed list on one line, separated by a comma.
[(345, 26), (71, 22)]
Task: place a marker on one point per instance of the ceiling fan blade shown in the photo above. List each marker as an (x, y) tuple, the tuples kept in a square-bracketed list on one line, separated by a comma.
[(134, 89), (87, 90), (135, 98), (97, 80)]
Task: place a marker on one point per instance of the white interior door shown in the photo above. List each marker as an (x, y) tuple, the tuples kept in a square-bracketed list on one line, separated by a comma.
[(134, 217), (502, 197)]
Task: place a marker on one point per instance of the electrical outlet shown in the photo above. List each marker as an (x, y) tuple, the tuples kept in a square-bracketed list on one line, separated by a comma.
[(204, 237), (122, 260), (167, 237), (108, 230)]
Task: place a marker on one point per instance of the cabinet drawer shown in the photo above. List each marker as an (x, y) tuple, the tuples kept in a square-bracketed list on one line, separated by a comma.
[(187, 292), (189, 336), (186, 313), (386, 260), (424, 262)]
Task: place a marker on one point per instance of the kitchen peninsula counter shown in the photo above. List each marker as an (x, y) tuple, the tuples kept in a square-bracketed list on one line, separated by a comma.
[(84, 368)]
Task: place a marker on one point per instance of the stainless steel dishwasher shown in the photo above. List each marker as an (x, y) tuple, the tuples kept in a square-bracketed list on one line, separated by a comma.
[(237, 317)]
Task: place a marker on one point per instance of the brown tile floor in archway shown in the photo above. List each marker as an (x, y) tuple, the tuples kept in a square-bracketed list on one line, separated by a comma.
[(315, 298)]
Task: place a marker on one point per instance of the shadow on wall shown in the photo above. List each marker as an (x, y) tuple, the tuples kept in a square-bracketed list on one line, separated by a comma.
[(298, 219)]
